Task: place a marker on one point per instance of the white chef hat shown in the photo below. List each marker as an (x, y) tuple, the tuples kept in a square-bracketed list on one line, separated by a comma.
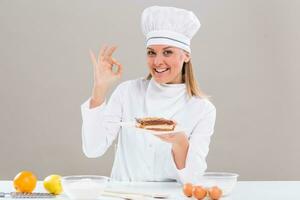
[(169, 26)]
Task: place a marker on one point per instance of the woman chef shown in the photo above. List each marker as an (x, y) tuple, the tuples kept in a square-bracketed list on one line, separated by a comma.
[(170, 91)]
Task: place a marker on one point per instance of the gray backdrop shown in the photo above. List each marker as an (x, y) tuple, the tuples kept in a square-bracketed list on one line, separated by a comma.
[(245, 55)]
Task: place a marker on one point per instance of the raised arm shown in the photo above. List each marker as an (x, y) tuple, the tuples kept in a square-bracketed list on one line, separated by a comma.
[(104, 76), (98, 131)]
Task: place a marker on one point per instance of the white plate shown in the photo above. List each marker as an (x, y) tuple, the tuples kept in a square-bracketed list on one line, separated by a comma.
[(177, 129)]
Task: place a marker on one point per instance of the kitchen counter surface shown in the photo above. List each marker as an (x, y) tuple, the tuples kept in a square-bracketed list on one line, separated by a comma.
[(244, 190)]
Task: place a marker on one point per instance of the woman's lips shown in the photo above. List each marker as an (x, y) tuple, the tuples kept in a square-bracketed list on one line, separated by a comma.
[(161, 71)]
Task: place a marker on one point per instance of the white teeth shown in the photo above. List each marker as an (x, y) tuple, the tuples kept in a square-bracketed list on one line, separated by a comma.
[(161, 70)]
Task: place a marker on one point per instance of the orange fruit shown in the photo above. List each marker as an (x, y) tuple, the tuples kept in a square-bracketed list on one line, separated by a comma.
[(25, 181), (188, 189), (215, 193), (199, 192)]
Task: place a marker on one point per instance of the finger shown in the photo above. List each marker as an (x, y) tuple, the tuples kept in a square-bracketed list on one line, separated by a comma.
[(163, 137), (158, 136), (110, 51), (93, 58), (120, 71), (102, 53), (115, 62), (164, 140), (168, 137), (165, 134), (120, 67)]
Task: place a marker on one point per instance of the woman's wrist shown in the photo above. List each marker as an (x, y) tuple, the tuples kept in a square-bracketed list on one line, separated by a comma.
[(98, 96), (179, 151), (95, 102), (182, 146)]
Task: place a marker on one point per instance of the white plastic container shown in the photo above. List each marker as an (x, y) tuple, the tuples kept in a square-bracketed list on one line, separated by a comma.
[(225, 181), (84, 186)]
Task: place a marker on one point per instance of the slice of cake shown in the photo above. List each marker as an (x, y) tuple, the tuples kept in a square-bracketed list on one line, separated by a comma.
[(156, 124)]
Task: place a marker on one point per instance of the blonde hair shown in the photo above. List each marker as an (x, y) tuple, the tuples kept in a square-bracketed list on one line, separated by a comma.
[(190, 81)]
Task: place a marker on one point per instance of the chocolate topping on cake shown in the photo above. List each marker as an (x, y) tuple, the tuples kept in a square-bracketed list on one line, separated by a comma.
[(156, 123)]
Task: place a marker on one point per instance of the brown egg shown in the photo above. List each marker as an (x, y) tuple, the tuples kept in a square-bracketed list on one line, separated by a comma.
[(215, 193), (199, 192), (188, 189)]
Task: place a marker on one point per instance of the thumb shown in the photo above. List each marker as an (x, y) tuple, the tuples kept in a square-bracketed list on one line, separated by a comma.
[(120, 67)]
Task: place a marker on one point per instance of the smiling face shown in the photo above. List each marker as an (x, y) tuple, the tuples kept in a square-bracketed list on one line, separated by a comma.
[(165, 63)]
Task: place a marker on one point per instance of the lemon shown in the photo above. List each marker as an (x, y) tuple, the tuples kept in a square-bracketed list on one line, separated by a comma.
[(52, 184)]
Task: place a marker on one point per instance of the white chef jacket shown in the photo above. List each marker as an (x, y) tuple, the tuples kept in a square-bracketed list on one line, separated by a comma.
[(144, 157)]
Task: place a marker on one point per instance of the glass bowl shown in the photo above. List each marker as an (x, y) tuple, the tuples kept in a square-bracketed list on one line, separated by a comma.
[(84, 186), (225, 181)]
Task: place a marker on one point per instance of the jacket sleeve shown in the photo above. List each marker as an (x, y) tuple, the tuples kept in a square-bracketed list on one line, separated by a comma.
[(100, 125), (198, 149)]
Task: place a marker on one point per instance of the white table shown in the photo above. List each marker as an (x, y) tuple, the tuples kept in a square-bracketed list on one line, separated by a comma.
[(245, 190)]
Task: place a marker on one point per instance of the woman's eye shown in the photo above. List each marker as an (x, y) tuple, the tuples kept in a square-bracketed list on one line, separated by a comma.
[(166, 53), (150, 53)]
